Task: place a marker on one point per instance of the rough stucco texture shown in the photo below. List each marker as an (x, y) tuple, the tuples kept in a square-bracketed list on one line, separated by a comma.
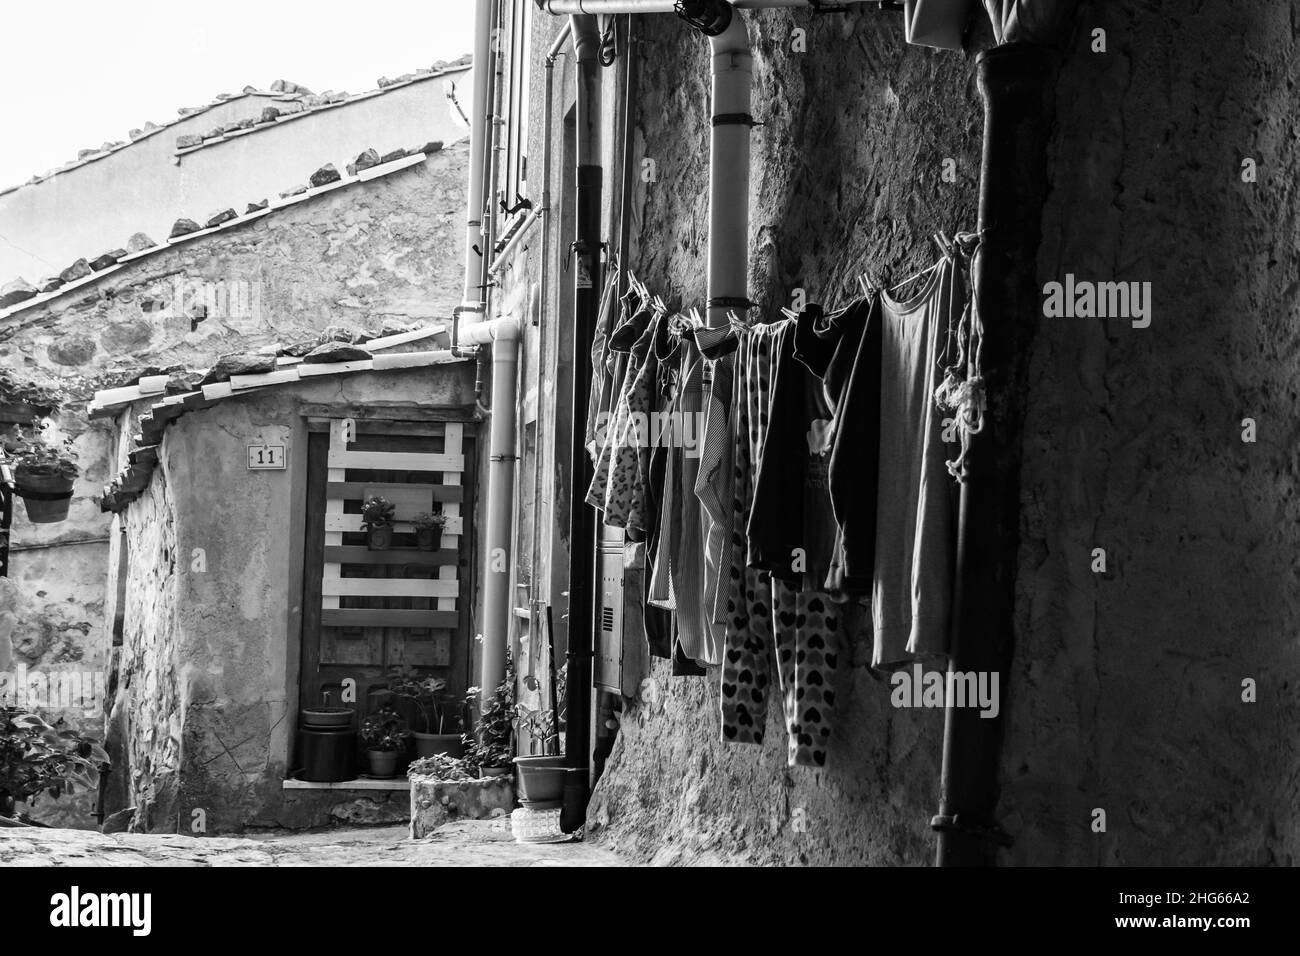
[(1126, 690)]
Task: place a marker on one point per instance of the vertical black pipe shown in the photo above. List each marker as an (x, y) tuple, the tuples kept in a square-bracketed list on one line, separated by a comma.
[(585, 271), (1017, 83)]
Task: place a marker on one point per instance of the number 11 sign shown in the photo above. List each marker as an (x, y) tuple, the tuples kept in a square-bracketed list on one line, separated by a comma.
[(266, 457)]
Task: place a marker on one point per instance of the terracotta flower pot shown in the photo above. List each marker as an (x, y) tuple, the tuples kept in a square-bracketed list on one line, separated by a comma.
[(426, 539), (379, 537), (46, 497)]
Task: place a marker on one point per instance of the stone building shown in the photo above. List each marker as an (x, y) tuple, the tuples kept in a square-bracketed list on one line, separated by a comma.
[(1149, 701), (351, 245)]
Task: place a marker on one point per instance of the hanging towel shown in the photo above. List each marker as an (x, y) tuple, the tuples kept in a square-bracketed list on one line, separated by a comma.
[(714, 486)]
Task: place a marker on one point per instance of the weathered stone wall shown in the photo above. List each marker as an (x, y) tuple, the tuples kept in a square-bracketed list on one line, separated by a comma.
[(151, 695), (1127, 689), (1126, 692), (213, 647)]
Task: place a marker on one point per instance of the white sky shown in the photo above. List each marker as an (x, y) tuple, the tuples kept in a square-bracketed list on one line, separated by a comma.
[(77, 74)]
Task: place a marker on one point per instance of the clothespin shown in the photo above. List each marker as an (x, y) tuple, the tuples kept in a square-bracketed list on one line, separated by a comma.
[(789, 313), (945, 244)]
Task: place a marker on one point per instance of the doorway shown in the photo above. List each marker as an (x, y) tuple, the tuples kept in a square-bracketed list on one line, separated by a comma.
[(368, 611)]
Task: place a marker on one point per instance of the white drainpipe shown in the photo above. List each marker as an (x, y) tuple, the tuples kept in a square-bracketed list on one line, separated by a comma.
[(498, 531), (479, 133)]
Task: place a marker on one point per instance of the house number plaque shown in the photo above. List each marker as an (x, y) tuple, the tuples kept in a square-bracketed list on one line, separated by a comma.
[(266, 457)]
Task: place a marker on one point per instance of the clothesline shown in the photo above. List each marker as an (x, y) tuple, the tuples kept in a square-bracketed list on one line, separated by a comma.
[(786, 485)]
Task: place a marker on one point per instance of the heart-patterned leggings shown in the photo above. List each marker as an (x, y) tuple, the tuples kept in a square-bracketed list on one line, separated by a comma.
[(768, 620)]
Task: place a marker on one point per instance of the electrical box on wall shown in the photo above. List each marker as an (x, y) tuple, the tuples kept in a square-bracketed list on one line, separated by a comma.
[(608, 671)]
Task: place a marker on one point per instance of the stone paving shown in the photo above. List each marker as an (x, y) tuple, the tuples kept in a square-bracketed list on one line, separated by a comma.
[(467, 843)]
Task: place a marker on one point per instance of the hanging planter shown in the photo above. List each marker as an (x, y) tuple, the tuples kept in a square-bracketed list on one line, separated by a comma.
[(43, 471), (46, 494), (936, 23), (428, 529), (377, 520)]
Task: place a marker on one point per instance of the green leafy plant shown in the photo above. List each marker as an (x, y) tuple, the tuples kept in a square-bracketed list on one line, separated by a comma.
[(429, 521), (385, 730), (443, 767), (425, 692), (377, 512), (33, 452), (39, 757), (539, 724), (493, 742)]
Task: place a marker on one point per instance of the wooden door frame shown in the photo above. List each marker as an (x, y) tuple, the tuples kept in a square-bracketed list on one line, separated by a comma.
[(312, 418)]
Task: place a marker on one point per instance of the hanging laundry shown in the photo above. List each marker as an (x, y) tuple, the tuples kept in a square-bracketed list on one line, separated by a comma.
[(807, 645), (747, 649), (715, 489), (792, 529), (613, 311), (842, 350), (657, 608), (911, 592), (618, 485), (715, 484)]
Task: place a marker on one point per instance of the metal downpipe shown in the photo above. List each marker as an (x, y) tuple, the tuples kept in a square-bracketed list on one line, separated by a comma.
[(585, 270), (1016, 83)]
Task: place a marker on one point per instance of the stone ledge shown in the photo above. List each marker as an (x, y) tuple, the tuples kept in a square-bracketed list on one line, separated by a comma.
[(437, 802), (360, 784)]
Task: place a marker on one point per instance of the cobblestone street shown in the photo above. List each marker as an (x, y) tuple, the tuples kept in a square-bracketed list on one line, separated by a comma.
[(471, 843)]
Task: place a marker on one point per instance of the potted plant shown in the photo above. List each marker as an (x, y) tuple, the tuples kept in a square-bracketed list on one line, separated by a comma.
[(440, 734), (377, 520), (384, 735), (37, 757), (541, 777), (428, 529), (492, 746), (43, 470)]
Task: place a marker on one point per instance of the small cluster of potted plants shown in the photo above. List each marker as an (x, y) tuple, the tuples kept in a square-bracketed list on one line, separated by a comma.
[(377, 519), (387, 734), (488, 752), (43, 471)]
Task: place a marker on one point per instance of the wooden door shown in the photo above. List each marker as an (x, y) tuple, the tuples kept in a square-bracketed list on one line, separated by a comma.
[(367, 611)]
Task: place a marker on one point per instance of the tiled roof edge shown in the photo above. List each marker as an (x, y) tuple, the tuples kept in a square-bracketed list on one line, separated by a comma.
[(131, 482), (146, 134), (314, 111), (220, 101)]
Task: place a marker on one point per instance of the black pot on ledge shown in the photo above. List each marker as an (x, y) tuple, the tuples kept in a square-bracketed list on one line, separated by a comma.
[(379, 537)]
